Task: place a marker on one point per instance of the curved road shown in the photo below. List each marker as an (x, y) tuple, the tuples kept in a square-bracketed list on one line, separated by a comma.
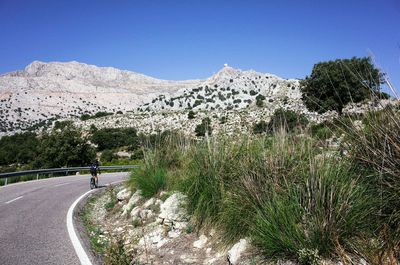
[(33, 227)]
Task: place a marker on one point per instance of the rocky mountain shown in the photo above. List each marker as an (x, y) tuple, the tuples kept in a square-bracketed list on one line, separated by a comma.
[(46, 91)]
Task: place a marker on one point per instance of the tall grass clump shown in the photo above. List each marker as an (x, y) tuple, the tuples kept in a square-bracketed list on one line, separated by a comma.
[(375, 146), (329, 211), (226, 180), (161, 158)]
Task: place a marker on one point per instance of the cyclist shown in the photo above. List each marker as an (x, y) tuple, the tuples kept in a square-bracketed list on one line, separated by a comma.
[(93, 171)]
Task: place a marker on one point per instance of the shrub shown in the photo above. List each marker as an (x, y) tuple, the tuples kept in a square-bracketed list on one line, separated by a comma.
[(223, 120), (253, 93), (108, 155), (191, 115), (260, 127), (287, 119), (309, 257), (204, 127)]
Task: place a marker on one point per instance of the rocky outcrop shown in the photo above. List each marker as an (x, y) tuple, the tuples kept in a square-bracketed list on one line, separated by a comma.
[(160, 232)]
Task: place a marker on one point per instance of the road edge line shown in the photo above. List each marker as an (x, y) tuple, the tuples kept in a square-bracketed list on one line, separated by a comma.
[(80, 252)]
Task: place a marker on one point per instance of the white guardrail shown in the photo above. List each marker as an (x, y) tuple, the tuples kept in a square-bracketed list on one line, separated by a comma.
[(57, 170)]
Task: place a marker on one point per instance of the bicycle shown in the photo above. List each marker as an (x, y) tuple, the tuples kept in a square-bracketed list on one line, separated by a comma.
[(94, 182)]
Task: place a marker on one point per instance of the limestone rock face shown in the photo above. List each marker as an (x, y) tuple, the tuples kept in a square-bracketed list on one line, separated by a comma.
[(56, 89), (46, 90)]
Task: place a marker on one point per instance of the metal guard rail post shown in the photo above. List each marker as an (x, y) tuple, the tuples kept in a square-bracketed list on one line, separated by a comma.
[(57, 170)]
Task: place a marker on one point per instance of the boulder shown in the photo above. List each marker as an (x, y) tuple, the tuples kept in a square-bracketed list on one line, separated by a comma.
[(124, 194), (237, 249), (132, 201), (171, 211), (201, 242)]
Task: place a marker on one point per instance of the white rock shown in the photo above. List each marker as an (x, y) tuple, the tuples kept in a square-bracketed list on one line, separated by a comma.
[(124, 194), (149, 203), (132, 201), (171, 210), (179, 225), (174, 233), (212, 232), (235, 252), (135, 212), (201, 242), (155, 237)]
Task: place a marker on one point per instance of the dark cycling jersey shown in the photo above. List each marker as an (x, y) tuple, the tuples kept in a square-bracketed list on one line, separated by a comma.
[(94, 168)]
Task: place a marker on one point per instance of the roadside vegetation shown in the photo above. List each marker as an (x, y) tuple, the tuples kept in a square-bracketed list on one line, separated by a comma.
[(288, 187), (294, 196)]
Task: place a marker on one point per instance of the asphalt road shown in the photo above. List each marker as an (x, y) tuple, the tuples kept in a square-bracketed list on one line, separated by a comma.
[(33, 214)]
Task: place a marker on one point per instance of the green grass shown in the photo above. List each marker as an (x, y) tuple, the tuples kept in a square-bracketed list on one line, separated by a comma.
[(149, 180), (284, 193)]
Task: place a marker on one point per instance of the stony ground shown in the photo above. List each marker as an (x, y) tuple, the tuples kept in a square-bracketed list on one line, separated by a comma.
[(159, 231)]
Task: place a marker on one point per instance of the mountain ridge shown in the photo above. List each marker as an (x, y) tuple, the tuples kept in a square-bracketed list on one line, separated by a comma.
[(53, 90)]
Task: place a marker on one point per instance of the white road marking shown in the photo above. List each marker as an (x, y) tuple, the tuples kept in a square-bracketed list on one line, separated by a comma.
[(83, 257), (14, 199)]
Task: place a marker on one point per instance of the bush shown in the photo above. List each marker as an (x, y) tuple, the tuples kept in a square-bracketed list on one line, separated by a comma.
[(260, 127), (204, 127), (19, 148), (191, 115), (107, 156), (149, 180), (287, 119)]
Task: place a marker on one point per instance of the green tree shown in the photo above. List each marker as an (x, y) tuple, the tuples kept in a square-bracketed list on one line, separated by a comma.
[(333, 84), (110, 138), (64, 148), (203, 127), (18, 148)]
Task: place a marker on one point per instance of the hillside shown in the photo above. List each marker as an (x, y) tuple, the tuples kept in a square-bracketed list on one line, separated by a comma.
[(48, 90), (232, 98)]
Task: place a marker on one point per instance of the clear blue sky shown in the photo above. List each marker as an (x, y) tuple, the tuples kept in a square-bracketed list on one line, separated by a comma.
[(186, 39)]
